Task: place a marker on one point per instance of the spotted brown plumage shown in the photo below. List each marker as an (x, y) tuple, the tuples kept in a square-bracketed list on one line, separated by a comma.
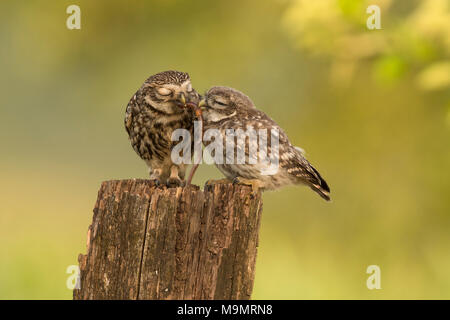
[(153, 113), (225, 108)]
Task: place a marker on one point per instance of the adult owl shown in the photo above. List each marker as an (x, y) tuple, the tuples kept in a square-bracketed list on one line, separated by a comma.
[(225, 108), (153, 113)]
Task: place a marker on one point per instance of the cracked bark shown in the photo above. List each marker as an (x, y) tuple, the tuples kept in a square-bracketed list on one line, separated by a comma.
[(179, 243)]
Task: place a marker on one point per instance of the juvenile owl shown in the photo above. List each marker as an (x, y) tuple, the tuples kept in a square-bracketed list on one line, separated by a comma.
[(153, 113), (225, 108)]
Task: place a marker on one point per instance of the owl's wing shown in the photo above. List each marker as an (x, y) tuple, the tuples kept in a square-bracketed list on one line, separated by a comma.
[(129, 114), (297, 165), (257, 120), (292, 158)]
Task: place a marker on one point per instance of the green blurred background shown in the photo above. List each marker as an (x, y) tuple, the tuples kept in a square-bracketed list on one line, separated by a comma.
[(371, 109)]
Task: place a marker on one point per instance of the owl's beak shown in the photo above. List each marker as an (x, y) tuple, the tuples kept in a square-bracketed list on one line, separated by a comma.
[(202, 103), (182, 100)]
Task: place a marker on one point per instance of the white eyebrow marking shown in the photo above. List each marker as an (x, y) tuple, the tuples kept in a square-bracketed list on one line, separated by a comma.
[(216, 116), (187, 85)]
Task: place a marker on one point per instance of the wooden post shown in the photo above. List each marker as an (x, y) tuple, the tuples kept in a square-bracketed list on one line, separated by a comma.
[(179, 243)]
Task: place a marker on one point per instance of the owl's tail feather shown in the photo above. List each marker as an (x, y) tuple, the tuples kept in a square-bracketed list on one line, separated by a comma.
[(324, 194), (321, 187)]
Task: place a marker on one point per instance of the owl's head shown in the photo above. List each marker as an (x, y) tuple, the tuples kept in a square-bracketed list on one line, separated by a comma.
[(169, 91), (223, 102)]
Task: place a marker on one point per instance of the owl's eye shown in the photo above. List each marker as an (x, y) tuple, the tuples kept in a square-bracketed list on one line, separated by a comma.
[(220, 103), (164, 91)]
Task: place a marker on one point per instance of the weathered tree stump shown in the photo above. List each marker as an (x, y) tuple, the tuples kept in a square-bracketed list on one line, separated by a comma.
[(179, 243)]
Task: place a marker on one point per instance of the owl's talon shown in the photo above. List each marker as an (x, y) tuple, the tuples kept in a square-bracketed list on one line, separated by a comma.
[(236, 180), (174, 183), (254, 184), (243, 182), (156, 182)]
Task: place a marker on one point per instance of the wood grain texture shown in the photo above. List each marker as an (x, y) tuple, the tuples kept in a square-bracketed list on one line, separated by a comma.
[(178, 243)]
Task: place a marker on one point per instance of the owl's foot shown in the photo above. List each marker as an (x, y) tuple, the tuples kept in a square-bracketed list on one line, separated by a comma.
[(255, 184), (155, 177), (156, 182), (174, 179), (173, 182)]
